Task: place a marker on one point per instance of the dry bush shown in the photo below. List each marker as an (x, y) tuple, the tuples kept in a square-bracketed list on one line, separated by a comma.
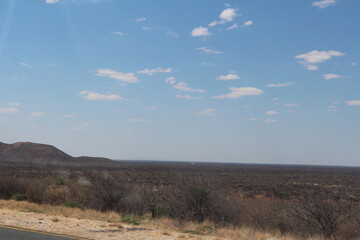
[(227, 209), (190, 200), (10, 186), (35, 190), (329, 218), (105, 192)]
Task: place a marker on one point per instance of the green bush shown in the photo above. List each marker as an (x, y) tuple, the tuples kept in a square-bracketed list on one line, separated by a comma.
[(131, 219), (19, 197), (161, 211), (60, 181), (73, 204)]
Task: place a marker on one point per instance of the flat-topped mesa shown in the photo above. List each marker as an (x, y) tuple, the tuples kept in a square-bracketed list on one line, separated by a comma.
[(40, 153)]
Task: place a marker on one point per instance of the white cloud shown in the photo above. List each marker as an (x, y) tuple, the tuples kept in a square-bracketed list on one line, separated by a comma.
[(232, 26), (68, 115), (97, 96), (146, 28), (181, 86), (280, 84), (291, 105), (207, 64), (253, 119), (228, 14), (207, 112), (230, 76), (208, 50), (353, 103), (270, 120), (200, 32), (323, 3), (214, 23), (155, 70), (188, 97), (332, 108), (24, 64), (308, 59), (37, 114), (248, 23), (172, 34), (140, 19), (331, 76), (153, 108), (52, 1), (118, 33), (271, 113), (9, 110), (14, 104), (311, 67), (137, 120), (240, 92), (124, 77)]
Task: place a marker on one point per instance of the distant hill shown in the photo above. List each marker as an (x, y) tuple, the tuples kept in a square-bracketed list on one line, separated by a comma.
[(41, 153)]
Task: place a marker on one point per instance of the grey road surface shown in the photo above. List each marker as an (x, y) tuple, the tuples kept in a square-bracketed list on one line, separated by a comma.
[(14, 233)]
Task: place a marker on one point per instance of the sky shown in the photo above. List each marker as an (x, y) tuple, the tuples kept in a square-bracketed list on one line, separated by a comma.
[(217, 81)]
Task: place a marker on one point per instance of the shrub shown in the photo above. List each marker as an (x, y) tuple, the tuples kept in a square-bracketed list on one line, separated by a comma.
[(73, 204), (19, 197)]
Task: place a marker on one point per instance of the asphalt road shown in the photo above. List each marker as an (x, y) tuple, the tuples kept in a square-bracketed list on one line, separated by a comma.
[(15, 233)]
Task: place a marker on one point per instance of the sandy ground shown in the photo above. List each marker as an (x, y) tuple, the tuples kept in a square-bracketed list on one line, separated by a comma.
[(91, 229)]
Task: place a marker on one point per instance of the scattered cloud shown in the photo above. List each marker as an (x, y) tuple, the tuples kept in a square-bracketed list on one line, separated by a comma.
[(291, 105), (270, 120), (311, 67), (37, 114), (155, 70), (323, 3), (200, 32), (14, 104), (181, 86), (331, 76), (137, 120), (24, 64), (208, 50), (310, 58), (97, 96), (188, 97), (119, 33), (9, 110), (230, 76), (353, 103), (271, 113), (146, 28), (52, 1), (253, 119), (240, 92), (50, 64), (140, 19), (280, 84), (207, 64), (228, 14), (332, 108), (232, 26), (248, 23), (172, 34), (207, 112), (69, 116), (152, 108), (124, 77)]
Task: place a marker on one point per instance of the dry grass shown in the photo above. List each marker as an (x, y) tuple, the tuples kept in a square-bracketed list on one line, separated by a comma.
[(190, 230)]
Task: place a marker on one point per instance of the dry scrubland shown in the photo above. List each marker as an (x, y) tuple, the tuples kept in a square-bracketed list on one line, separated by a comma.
[(134, 200), (99, 225)]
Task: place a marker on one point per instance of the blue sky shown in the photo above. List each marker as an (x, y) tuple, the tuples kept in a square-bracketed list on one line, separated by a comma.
[(228, 81)]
